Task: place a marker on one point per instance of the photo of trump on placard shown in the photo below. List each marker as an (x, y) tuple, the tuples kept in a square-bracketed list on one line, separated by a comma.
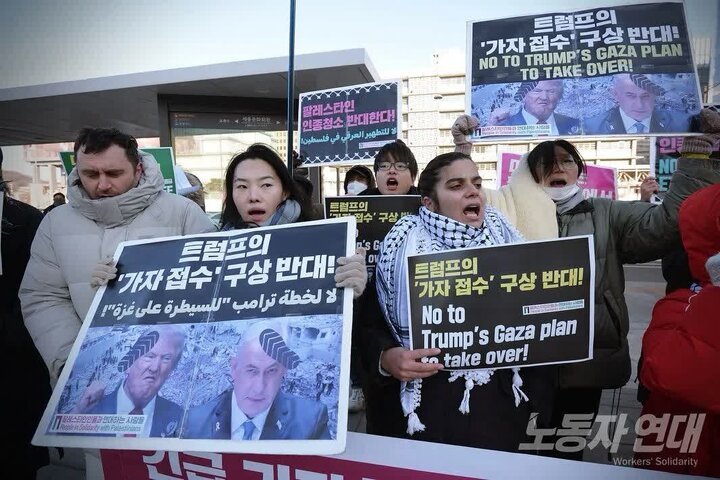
[(124, 374), (539, 101)]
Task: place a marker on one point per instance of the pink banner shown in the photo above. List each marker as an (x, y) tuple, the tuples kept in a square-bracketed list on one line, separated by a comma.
[(599, 182), (508, 163), (137, 465), (367, 457), (596, 182)]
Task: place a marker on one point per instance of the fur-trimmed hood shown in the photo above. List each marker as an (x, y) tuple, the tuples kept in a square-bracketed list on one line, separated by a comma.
[(526, 205)]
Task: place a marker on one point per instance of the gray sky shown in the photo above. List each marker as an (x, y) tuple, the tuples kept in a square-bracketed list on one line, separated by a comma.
[(45, 41)]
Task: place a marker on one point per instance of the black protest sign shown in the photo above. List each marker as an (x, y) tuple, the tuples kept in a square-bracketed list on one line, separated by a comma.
[(162, 342), (580, 73), (504, 306), (348, 124), (645, 38), (375, 215), (250, 273)]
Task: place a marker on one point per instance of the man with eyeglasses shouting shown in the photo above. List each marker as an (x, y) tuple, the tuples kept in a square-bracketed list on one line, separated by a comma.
[(395, 171)]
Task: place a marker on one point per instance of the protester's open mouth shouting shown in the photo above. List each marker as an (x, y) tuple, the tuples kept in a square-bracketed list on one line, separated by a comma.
[(256, 214), (392, 184)]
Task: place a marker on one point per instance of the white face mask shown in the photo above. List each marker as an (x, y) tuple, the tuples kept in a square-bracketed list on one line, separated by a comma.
[(558, 194), (356, 187)]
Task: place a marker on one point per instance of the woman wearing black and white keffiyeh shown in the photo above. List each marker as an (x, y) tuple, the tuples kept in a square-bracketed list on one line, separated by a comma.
[(454, 215)]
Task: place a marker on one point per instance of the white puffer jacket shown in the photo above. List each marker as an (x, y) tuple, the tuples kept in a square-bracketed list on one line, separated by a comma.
[(55, 292)]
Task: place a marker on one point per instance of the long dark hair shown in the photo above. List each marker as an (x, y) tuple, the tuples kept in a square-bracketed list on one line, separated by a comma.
[(544, 154), (230, 214), (430, 176)]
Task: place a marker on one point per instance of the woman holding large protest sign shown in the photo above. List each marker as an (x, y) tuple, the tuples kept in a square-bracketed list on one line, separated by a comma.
[(259, 191), (494, 415), (544, 201)]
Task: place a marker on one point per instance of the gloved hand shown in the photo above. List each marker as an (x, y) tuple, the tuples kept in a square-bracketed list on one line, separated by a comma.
[(103, 272), (352, 272), (713, 268), (464, 125)]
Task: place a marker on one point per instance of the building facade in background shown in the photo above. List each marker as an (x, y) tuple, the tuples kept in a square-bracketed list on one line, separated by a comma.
[(430, 105)]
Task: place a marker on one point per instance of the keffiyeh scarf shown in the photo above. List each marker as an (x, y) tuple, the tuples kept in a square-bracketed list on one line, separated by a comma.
[(425, 233)]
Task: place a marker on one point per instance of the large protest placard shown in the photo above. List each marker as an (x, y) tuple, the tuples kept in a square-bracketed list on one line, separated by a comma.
[(504, 306), (163, 155), (209, 339), (664, 154), (621, 70), (375, 216), (596, 180), (349, 124)]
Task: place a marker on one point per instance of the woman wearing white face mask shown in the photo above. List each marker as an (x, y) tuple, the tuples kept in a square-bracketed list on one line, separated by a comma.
[(544, 201), (358, 179)]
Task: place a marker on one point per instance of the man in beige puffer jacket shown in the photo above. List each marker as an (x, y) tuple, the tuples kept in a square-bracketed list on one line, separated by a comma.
[(116, 194)]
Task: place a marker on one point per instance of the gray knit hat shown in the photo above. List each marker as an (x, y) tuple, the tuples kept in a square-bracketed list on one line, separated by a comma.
[(709, 124)]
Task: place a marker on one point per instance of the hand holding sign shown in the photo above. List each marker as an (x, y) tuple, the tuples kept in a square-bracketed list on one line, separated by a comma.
[(648, 187), (464, 125), (352, 273), (403, 364), (104, 271)]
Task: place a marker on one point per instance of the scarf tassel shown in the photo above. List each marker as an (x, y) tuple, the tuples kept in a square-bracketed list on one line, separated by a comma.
[(414, 424), (465, 404), (410, 400)]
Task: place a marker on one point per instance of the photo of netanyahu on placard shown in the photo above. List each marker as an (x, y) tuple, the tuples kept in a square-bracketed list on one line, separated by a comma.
[(255, 408)]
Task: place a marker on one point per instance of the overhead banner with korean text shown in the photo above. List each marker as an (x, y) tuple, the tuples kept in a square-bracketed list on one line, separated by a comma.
[(595, 181), (504, 306), (371, 457), (205, 340), (375, 216), (349, 124), (621, 70)]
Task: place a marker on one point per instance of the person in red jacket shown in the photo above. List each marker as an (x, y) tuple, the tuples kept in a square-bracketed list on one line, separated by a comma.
[(681, 349)]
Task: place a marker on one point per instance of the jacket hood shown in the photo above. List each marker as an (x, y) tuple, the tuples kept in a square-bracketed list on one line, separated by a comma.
[(700, 229), (120, 209), (533, 211)]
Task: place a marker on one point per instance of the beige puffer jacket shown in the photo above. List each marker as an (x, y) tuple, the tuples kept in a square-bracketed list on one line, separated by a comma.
[(55, 292)]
